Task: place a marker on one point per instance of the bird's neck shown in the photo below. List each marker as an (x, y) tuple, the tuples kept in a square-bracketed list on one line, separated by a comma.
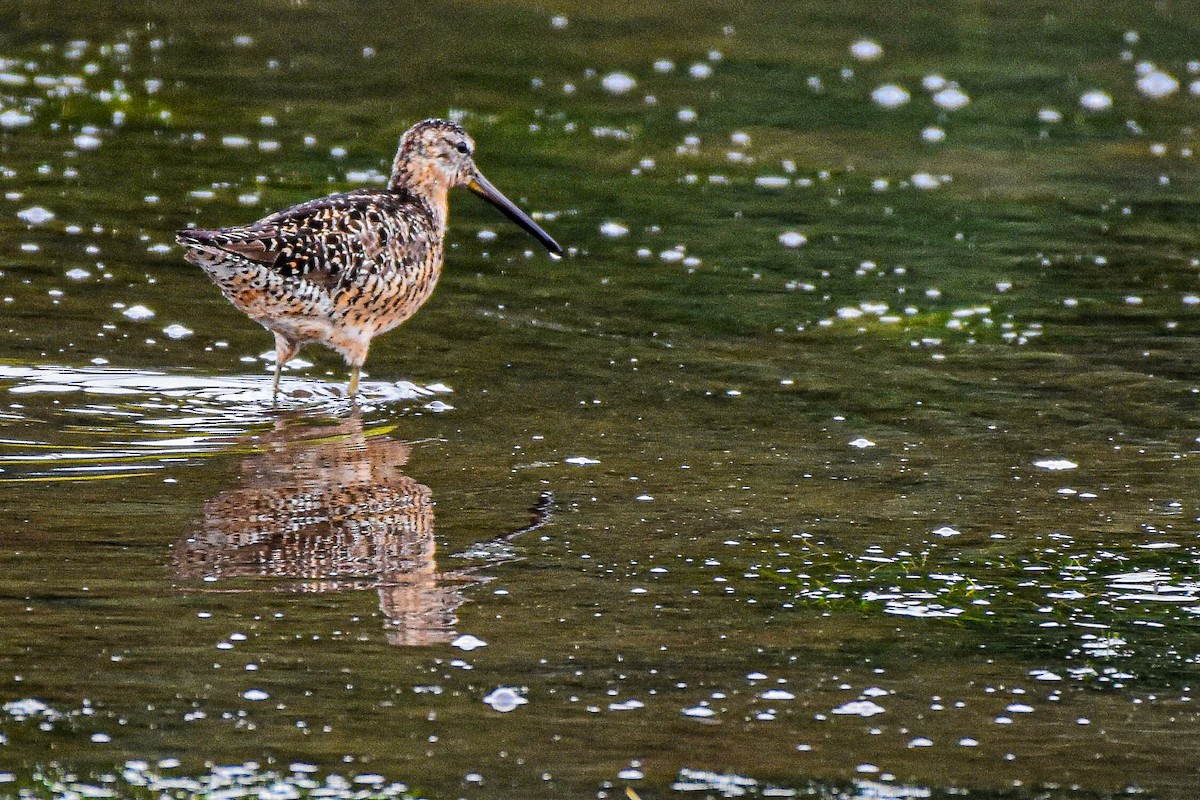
[(425, 182)]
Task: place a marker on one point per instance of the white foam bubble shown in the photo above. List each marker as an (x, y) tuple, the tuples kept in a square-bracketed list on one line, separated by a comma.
[(772, 181), (177, 331), (859, 708), (1156, 84), (866, 50), (35, 215), (951, 98), (504, 699), (890, 95), (618, 83), (1096, 100), (14, 119), (468, 642), (923, 180), (1055, 464), (138, 313)]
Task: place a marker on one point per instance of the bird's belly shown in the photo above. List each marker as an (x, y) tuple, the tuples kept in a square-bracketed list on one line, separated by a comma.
[(343, 318), (379, 304), (299, 310)]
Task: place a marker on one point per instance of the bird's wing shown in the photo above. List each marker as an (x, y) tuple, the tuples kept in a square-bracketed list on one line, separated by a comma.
[(326, 242)]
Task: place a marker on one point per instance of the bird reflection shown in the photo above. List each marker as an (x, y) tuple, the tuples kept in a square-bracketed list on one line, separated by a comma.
[(327, 509)]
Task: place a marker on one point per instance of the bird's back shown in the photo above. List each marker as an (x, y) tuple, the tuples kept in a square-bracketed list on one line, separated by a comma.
[(360, 263)]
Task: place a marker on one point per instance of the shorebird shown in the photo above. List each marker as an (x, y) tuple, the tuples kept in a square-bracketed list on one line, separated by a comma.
[(345, 268)]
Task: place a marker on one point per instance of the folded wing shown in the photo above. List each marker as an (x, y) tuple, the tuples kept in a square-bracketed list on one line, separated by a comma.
[(330, 242)]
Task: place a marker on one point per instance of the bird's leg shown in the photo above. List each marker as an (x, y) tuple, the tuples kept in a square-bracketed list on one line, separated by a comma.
[(356, 356), (285, 351)]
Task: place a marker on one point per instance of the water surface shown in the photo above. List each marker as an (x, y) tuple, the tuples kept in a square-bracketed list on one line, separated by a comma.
[(850, 451)]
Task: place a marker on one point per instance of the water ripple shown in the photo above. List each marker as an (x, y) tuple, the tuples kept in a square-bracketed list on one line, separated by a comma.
[(202, 413)]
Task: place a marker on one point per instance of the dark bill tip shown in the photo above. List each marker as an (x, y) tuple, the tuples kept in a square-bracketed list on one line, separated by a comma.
[(483, 187)]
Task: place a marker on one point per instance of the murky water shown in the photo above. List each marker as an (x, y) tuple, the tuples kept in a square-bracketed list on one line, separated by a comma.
[(851, 452)]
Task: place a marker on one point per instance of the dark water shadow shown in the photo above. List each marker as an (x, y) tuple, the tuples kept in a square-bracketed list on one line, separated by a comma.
[(327, 508)]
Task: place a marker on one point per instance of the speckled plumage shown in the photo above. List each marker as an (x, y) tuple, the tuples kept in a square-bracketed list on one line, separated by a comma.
[(345, 268)]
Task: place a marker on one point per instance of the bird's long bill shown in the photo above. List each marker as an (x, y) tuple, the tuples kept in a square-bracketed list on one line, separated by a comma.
[(483, 187)]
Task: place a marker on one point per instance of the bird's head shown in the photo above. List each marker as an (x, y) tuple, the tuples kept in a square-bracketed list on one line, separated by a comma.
[(436, 150), (437, 154)]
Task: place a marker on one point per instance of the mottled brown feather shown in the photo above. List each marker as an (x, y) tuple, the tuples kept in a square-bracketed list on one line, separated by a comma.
[(345, 268)]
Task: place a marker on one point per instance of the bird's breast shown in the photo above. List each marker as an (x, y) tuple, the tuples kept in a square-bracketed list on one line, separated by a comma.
[(392, 286)]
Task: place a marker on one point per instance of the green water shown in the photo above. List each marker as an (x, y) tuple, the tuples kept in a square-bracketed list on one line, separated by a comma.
[(908, 509)]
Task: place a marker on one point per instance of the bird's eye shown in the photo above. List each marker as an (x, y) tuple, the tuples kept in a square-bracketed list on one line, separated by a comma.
[(462, 148)]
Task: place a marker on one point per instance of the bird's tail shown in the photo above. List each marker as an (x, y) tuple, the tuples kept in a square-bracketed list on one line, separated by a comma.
[(200, 249)]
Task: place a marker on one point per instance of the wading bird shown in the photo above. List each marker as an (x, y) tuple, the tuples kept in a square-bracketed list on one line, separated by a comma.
[(343, 269)]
